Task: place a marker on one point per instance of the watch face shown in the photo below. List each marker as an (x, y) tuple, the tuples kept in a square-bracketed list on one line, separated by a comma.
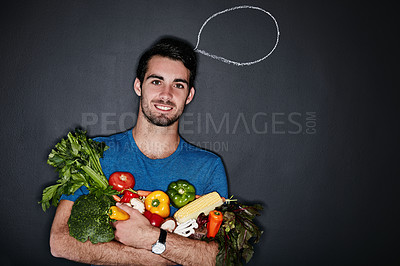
[(158, 248)]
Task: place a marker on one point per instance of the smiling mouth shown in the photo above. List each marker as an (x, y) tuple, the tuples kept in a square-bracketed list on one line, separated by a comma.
[(163, 108)]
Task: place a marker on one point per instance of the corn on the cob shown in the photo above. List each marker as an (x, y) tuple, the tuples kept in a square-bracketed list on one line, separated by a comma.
[(204, 204)]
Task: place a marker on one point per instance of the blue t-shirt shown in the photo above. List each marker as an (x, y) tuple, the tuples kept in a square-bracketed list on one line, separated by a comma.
[(201, 168)]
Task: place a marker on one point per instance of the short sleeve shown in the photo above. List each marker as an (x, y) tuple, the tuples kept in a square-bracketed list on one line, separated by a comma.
[(79, 192), (217, 180)]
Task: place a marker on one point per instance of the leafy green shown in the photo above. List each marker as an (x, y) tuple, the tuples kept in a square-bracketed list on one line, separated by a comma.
[(77, 160), (90, 220), (238, 233)]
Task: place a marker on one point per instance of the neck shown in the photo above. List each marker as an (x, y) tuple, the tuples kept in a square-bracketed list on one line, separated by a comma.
[(155, 142)]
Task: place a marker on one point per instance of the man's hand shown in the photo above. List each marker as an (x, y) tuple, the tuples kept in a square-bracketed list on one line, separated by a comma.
[(136, 231)]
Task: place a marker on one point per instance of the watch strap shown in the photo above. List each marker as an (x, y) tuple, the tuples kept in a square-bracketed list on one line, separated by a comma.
[(163, 236)]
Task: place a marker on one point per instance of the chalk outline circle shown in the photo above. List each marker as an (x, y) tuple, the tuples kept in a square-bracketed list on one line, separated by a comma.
[(220, 58)]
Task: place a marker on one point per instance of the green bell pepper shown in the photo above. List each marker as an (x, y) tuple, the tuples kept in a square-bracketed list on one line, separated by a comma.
[(180, 193)]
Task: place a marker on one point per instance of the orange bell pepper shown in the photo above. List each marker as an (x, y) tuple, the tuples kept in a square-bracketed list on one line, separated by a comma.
[(157, 202), (214, 223)]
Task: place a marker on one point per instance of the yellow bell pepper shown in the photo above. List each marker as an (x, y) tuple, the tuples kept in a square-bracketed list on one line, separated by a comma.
[(118, 214), (157, 202)]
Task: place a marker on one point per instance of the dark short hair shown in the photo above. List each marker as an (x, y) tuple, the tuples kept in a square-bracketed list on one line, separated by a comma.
[(172, 48)]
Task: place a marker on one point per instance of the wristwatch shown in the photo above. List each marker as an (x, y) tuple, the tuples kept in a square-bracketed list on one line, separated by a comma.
[(159, 246)]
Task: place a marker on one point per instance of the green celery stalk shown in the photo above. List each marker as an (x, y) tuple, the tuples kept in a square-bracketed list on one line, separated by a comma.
[(100, 180)]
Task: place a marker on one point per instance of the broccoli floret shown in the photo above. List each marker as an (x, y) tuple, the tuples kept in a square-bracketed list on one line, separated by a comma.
[(90, 219)]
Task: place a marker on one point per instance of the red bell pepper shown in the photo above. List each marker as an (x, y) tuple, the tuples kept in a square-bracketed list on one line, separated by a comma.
[(154, 219), (128, 195)]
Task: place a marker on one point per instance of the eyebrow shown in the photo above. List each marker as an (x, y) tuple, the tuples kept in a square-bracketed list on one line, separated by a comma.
[(161, 78), (181, 80), (155, 76)]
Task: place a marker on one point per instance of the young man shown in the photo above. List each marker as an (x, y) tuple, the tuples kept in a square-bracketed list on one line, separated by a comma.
[(156, 155)]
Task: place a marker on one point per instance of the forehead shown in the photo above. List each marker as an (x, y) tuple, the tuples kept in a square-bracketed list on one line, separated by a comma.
[(167, 68)]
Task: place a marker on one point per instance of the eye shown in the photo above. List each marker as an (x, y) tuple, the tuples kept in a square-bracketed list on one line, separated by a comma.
[(179, 86), (156, 82)]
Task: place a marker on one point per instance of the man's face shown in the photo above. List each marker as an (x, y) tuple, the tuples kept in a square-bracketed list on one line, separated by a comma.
[(165, 91)]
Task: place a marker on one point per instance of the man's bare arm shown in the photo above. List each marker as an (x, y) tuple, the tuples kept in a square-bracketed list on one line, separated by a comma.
[(187, 251), (137, 232), (111, 253)]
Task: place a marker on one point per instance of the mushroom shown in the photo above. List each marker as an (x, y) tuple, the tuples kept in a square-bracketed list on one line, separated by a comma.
[(187, 228), (137, 204), (169, 224)]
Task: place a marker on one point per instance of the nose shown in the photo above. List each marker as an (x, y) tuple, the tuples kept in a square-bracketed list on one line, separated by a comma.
[(166, 92)]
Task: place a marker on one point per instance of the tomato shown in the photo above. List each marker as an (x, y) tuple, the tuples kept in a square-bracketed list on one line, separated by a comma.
[(121, 181)]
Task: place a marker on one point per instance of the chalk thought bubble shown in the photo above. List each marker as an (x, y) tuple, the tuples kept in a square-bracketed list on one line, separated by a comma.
[(228, 61)]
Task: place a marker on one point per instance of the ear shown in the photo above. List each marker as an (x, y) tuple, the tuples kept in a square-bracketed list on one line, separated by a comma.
[(190, 96), (137, 87)]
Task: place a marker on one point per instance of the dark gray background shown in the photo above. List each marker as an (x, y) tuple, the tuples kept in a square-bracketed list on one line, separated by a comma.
[(310, 132)]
